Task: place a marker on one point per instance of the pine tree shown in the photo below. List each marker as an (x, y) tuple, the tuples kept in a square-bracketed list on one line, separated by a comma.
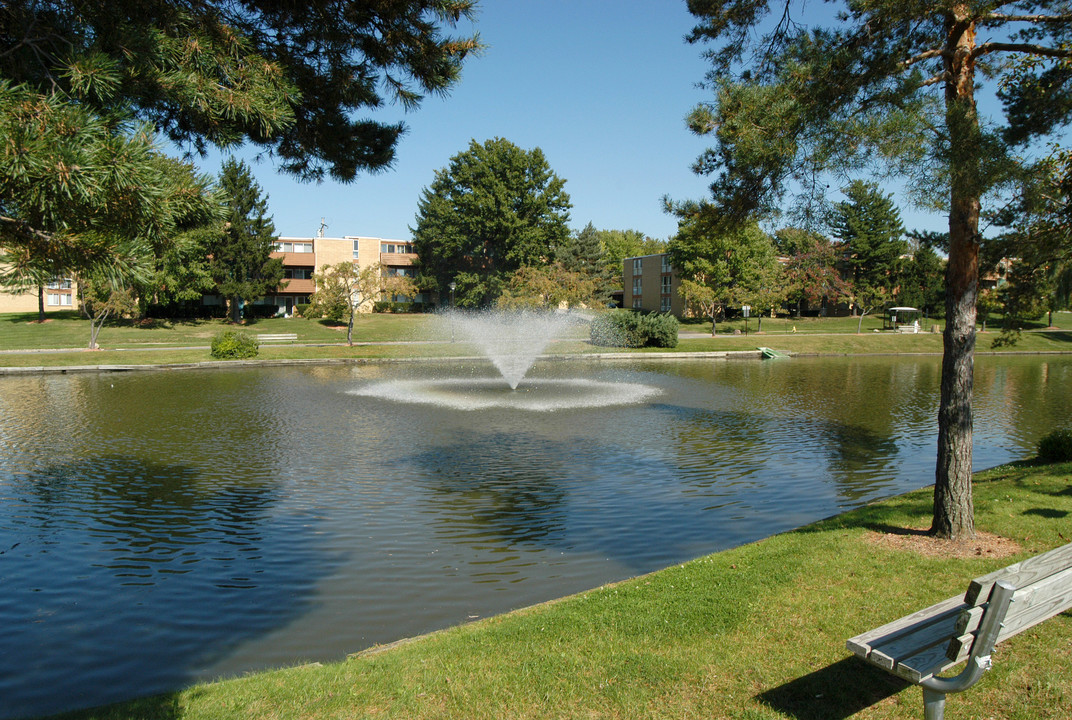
[(240, 261), (868, 225), (797, 98)]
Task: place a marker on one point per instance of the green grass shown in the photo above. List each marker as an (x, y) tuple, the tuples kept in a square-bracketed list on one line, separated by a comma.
[(69, 330), (756, 632), (392, 336)]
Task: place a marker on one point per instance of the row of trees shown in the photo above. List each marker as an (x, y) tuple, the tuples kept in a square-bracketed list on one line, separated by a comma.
[(868, 264)]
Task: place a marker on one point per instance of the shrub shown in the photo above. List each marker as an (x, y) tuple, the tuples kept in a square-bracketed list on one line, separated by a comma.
[(1057, 446), (630, 329), (616, 329), (381, 306), (660, 330), (302, 309), (231, 345)]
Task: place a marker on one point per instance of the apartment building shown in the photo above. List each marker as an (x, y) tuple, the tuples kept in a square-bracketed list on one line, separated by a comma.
[(651, 284), (302, 256)]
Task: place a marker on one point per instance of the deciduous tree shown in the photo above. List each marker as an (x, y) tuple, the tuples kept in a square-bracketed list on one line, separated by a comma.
[(494, 209), (797, 97), (342, 289), (720, 264)]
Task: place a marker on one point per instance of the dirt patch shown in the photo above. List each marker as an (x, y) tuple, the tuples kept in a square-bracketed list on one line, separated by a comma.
[(917, 540)]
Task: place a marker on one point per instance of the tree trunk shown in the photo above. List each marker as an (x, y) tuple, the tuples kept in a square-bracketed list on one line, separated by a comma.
[(953, 508), (40, 303)]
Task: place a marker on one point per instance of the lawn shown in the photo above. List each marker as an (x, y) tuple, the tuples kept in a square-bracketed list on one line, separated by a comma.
[(392, 336), (756, 632)]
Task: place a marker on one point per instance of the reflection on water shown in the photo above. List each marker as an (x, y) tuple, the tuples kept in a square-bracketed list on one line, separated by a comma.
[(161, 528)]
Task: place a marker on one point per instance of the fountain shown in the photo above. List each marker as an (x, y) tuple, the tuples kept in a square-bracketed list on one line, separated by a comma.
[(512, 341)]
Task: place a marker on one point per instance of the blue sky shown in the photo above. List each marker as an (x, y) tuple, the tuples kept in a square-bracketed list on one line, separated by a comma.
[(601, 86)]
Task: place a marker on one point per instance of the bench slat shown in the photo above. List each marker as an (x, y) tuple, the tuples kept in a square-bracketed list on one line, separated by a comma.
[(1020, 574), (927, 662), (909, 635), (1030, 606)]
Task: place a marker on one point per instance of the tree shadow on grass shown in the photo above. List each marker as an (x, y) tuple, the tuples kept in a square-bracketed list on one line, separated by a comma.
[(837, 691)]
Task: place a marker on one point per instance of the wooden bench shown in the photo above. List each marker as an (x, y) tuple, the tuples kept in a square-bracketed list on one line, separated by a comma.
[(997, 606), (277, 337)]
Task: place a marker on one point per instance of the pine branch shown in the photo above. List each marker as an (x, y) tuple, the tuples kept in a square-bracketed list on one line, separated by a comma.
[(1028, 48), (1003, 18)]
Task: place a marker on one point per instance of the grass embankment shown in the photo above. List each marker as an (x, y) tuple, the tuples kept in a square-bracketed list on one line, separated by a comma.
[(424, 336), (752, 633)]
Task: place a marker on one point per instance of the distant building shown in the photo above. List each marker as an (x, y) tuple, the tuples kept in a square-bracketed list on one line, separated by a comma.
[(59, 294), (301, 258), (651, 284)]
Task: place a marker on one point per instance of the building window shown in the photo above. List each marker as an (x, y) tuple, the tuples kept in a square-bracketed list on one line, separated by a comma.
[(665, 285), (396, 248), (298, 273), (637, 265), (356, 248), (664, 304), (638, 287), (636, 303), (58, 299), (666, 263), (293, 247), (59, 284)]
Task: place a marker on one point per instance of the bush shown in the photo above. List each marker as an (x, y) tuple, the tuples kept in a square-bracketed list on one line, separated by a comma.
[(1057, 446), (660, 330), (231, 345), (632, 330), (302, 309)]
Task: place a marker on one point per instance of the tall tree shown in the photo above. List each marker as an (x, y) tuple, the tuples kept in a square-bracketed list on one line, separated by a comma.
[(869, 227), (720, 264), (241, 264), (494, 209), (797, 98)]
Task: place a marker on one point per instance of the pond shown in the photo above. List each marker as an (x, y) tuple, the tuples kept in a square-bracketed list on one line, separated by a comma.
[(165, 527)]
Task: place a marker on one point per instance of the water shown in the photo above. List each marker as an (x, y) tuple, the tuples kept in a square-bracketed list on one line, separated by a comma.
[(161, 528)]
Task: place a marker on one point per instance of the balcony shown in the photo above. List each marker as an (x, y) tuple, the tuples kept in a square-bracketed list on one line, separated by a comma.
[(397, 259)]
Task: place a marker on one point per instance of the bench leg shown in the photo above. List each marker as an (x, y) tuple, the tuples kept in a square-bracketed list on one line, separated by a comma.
[(933, 704)]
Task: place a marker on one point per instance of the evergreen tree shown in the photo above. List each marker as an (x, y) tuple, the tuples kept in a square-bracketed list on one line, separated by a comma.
[(494, 209), (868, 225), (583, 255), (921, 281), (84, 85), (240, 264)]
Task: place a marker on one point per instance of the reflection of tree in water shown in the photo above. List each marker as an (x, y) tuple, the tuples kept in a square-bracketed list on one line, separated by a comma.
[(126, 577), (498, 488)]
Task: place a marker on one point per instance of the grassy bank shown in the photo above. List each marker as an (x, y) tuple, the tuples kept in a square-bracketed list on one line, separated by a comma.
[(752, 633), (61, 341)]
